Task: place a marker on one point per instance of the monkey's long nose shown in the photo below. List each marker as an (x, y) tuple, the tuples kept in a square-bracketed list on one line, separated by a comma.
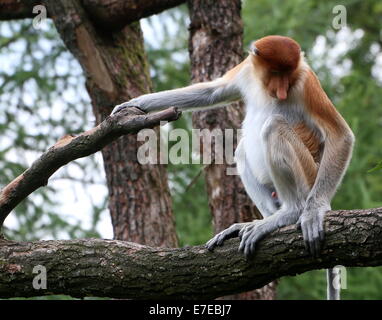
[(282, 87)]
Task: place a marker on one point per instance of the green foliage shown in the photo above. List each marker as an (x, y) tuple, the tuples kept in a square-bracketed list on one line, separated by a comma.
[(377, 167)]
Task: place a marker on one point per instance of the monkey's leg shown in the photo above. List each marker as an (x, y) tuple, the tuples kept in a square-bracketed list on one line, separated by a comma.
[(292, 169), (260, 194)]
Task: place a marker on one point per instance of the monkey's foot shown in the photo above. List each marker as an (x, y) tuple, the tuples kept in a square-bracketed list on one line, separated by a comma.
[(251, 234), (231, 232)]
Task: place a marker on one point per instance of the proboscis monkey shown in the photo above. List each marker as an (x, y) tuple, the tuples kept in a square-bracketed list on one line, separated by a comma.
[(295, 144)]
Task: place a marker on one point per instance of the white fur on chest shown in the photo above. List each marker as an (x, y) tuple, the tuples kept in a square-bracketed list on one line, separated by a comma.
[(259, 108), (258, 111)]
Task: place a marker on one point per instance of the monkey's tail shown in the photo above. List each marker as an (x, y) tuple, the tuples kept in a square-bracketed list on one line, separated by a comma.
[(333, 283)]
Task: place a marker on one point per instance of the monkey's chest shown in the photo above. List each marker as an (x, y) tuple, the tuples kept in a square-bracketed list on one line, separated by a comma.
[(256, 148)]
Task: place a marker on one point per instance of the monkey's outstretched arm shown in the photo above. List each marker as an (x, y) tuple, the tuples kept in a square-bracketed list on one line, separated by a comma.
[(201, 95), (339, 141)]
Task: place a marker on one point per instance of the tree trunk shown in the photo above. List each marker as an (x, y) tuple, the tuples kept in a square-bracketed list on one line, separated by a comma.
[(215, 47), (116, 70)]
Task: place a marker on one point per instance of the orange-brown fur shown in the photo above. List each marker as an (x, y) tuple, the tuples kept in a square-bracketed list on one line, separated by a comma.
[(310, 139), (320, 107)]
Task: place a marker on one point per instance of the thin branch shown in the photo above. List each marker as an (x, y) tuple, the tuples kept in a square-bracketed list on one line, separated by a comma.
[(69, 148), (109, 268)]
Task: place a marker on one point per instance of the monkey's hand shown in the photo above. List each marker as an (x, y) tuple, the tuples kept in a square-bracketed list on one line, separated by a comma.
[(131, 103), (311, 222), (231, 232)]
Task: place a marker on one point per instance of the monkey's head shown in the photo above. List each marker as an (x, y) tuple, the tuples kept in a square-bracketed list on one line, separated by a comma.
[(278, 57)]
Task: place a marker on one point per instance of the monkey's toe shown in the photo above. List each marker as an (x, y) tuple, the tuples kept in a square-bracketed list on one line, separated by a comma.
[(216, 241), (249, 238), (226, 234)]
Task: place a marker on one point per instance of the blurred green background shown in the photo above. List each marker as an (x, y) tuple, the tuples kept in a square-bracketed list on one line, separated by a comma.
[(43, 97)]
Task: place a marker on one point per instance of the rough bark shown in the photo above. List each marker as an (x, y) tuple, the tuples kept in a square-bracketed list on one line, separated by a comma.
[(69, 148), (119, 269), (117, 13), (110, 14), (216, 46), (17, 9), (116, 70)]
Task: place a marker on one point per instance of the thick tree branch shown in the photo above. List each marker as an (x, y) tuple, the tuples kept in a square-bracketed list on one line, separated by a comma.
[(117, 13), (119, 269), (108, 13), (69, 148), (17, 9)]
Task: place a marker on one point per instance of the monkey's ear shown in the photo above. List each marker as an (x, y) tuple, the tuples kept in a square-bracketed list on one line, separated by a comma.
[(252, 49)]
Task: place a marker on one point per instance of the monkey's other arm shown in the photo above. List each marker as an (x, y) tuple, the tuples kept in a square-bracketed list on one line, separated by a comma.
[(338, 146), (201, 95)]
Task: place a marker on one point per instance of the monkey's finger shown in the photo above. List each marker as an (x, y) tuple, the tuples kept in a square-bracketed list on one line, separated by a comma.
[(211, 244), (309, 238), (321, 231), (316, 239), (298, 223), (242, 244), (246, 247), (247, 250), (244, 231), (244, 239), (219, 239), (241, 234), (254, 241), (305, 236), (227, 234), (250, 243)]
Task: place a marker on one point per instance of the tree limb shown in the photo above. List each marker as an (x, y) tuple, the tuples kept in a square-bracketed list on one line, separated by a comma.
[(111, 14), (118, 269), (108, 13), (69, 148), (17, 9)]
